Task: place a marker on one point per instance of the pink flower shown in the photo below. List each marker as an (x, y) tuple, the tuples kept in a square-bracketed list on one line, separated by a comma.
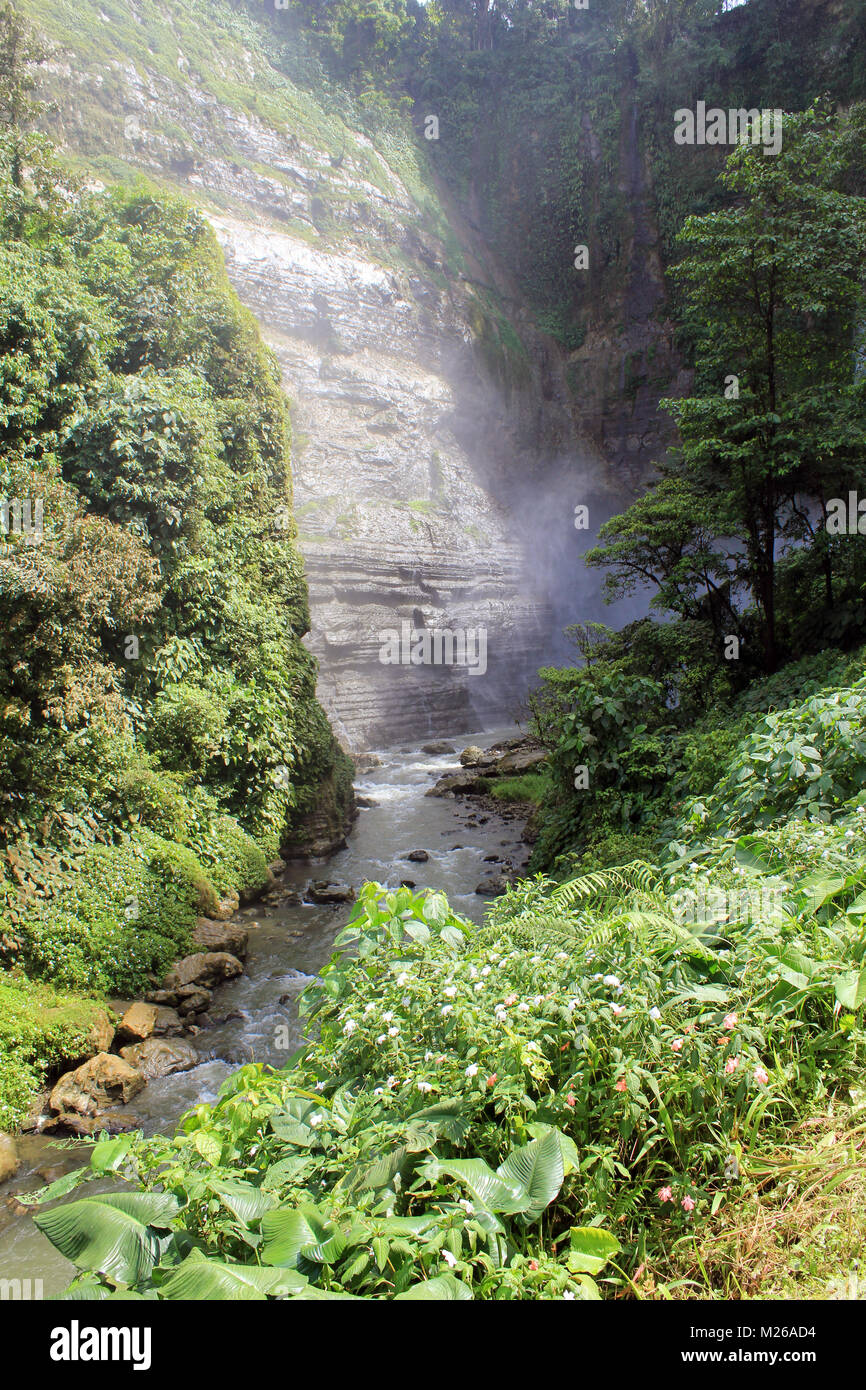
[(533, 1264), (491, 1080), (512, 999), (570, 1099), (729, 1022), (688, 1204), (665, 1194), (620, 1085), (761, 1076), (617, 1009), (730, 1065), (677, 1045)]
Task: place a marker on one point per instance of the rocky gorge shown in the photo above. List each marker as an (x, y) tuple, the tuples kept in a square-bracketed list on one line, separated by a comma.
[(432, 418)]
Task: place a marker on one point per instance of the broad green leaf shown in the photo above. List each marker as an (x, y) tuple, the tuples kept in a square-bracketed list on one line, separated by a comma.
[(591, 1248), (443, 1288), (114, 1235), (246, 1202), (538, 1169), (200, 1279)]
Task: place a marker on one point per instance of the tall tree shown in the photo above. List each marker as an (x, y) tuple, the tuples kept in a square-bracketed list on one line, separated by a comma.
[(774, 294)]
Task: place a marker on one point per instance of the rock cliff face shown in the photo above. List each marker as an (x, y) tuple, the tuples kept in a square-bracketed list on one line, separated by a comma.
[(430, 421)]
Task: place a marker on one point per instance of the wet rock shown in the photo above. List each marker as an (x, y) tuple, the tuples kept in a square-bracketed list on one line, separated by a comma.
[(418, 856), (454, 783), (9, 1160), (407, 883), (365, 762), (166, 998), (193, 999), (204, 969), (471, 756), (159, 1057), (323, 891), (221, 936), (278, 867), (88, 1126), (103, 1080), (138, 1022), (437, 749), (167, 1023), (490, 887), (365, 802), (492, 859)]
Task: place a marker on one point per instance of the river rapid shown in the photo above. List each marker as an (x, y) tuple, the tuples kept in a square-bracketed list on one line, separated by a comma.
[(288, 945)]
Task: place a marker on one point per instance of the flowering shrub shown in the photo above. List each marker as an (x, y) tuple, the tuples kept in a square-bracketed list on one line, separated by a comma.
[(481, 1107)]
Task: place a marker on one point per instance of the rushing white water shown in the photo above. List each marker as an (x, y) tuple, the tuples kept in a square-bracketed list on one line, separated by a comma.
[(287, 946)]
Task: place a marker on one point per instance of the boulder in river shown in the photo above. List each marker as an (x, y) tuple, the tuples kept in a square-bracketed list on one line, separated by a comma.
[(490, 887), (365, 762), (138, 1022), (221, 936), (88, 1126), (471, 756), (167, 1023), (418, 856), (193, 999), (103, 1080), (204, 969), (9, 1160), (323, 891), (438, 749), (160, 1057)]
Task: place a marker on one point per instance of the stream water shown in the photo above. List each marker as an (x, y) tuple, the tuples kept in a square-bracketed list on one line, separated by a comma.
[(287, 945)]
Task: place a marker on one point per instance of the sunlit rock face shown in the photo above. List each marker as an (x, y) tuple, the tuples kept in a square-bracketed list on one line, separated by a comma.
[(429, 435), (399, 441)]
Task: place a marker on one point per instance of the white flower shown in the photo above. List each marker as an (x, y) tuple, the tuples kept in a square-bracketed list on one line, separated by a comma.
[(568, 1294), (523, 1008), (612, 981), (320, 1085), (315, 1120), (486, 970), (393, 1032), (386, 1018), (369, 1009), (466, 1205), (392, 1081), (655, 1014), (380, 1039), (479, 987), (472, 1070), (424, 1086), (561, 955), (447, 1009), (428, 1056), (449, 1259), (402, 978), (450, 991), (350, 1026), (379, 1091)]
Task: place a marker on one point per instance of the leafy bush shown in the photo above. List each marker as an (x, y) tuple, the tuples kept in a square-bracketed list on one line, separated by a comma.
[(40, 1028), (122, 920), (482, 1106)]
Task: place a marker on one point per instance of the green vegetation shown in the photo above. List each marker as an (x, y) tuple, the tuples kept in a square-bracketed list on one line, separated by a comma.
[(40, 1028), (160, 739)]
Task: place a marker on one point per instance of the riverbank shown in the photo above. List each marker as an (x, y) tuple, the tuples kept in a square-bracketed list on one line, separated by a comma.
[(289, 936)]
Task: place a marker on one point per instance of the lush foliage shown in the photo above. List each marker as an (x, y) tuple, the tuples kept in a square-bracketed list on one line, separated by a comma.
[(40, 1029), (156, 701)]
